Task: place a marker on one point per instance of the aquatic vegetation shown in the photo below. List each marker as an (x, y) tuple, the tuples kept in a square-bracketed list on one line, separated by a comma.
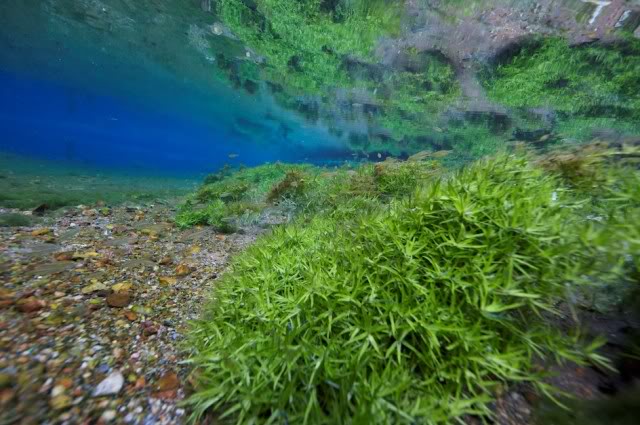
[(594, 81), (303, 42), (15, 220), (229, 194), (292, 186), (416, 310)]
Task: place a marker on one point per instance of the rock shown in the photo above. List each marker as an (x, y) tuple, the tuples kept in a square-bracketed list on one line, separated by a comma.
[(169, 381), (85, 255), (94, 287), (58, 390), (183, 270), (108, 416), (60, 402), (111, 385), (148, 328), (140, 383), (64, 256), (6, 380), (30, 305), (40, 209), (6, 303), (41, 232), (130, 315), (167, 280), (90, 212), (119, 299), (121, 287)]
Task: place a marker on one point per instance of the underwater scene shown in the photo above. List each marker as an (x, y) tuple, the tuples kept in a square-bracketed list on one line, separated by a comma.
[(288, 212)]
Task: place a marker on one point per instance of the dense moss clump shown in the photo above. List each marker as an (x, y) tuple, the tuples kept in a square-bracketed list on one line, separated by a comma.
[(414, 310), (304, 42), (598, 84)]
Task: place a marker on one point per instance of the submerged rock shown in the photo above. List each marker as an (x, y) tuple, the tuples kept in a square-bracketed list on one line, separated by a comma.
[(111, 385)]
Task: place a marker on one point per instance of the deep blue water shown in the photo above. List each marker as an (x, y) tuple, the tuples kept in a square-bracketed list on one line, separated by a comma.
[(54, 121)]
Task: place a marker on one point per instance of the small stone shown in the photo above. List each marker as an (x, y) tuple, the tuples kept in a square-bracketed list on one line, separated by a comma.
[(63, 256), (140, 383), (119, 299), (169, 381), (94, 287), (183, 270), (150, 330), (30, 305), (61, 402), (58, 390), (130, 315), (6, 395), (120, 287), (108, 416), (167, 280), (112, 384), (6, 380), (165, 261), (41, 232), (90, 212), (6, 303)]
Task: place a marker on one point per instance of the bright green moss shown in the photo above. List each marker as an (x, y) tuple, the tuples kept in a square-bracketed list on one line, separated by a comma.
[(304, 43), (413, 312), (592, 81)]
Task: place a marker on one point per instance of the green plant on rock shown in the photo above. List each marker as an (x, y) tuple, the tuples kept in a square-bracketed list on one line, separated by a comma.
[(411, 313)]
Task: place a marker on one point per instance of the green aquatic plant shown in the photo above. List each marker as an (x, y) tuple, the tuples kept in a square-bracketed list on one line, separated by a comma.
[(410, 312), (304, 42), (292, 187), (596, 80), (15, 220), (229, 194)]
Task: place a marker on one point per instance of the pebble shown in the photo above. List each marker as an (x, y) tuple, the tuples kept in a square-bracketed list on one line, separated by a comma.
[(76, 357), (112, 384), (108, 415), (119, 299)]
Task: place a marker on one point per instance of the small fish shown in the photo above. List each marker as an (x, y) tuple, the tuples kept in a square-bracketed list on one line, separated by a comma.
[(233, 155), (438, 129)]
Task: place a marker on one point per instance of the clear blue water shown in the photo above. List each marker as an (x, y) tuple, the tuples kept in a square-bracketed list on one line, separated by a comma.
[(61, 122)]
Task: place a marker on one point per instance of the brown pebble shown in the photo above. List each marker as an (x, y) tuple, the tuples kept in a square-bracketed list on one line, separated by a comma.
[(169, 381), (41, 232), (183, 270), (119, 299), (64, 256), (140, 383), (130, 315), (30, 305)]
